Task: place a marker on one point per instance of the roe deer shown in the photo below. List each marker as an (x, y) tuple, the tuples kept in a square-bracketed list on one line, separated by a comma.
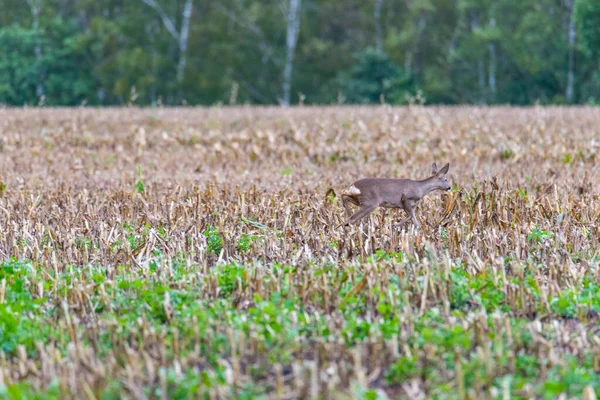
[(371, 193)]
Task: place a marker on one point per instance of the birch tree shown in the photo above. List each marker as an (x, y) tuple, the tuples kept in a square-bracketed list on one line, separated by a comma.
[(291, 9), (270, 52), (419, 12), (180, 35), (35, 7), (571, 39), (378, 28), (492, 61), (480, 60)]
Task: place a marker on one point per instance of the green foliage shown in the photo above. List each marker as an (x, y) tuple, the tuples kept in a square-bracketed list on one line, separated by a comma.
[(537, 235), (382, 255), (281, 321), (140, 187), (402, 370), (570, 302), (69, 74), (214, 243), (507, 154), (15, 325), (245, 243), (588, 19), (19, 70), (25, 391), (374, 78), (228, 277), (453, 51), (52, 57), (286, 171), (587, 13), (522, 193)]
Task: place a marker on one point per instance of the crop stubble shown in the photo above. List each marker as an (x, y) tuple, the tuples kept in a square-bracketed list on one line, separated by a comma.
[(113, 204)]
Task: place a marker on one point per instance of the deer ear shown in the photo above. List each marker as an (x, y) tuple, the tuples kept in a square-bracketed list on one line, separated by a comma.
[(444, 170), (433, 169)]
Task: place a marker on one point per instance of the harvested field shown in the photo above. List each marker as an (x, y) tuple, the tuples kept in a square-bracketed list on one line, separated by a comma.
[(193, 253)]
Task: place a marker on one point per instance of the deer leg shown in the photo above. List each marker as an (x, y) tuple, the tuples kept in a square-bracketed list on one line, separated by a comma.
[(414, 218), (409, 206), (405, 220), (349, 199), (363, 212)]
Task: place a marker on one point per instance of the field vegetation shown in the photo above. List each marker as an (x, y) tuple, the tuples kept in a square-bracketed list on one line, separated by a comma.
[(193, 253)]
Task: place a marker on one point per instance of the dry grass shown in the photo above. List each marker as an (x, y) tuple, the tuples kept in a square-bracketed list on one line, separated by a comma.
[(188, 252)]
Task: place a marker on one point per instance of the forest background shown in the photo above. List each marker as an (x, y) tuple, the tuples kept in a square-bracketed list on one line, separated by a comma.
[(211, 52)]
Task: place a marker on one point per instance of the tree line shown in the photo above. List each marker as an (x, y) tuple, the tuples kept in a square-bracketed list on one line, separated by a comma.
[(207, 52)]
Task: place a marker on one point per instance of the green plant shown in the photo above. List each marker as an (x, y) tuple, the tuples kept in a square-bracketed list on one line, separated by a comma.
[(214, 242), (537, 235), (140, 187), (244, 244)]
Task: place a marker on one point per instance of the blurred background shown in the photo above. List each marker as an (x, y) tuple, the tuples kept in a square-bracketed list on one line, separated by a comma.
[(209, 52)]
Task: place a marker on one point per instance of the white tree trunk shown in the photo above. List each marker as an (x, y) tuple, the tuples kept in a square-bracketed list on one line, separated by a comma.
[(571, 35), (408, 59), (293, 28), (481, 79), (183, 40), (492, 65), (181, 36), (480, 64), (378, 29), (35, 12), (454, 40)]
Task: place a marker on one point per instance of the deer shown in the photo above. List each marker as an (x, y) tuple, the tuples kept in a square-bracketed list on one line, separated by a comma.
[(370, 193)]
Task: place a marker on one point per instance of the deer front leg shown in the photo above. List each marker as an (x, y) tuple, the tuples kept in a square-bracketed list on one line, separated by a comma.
[(409, 206), (405, 220)]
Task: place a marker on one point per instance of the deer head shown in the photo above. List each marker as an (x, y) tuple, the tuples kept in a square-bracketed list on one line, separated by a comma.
[(439, 177)]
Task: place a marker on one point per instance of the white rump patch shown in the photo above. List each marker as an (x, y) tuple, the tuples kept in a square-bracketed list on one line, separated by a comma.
[(353, 190)]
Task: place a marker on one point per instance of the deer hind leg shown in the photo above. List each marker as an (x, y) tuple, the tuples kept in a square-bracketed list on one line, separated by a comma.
[(346, 198), (405, 220), (365, 210)]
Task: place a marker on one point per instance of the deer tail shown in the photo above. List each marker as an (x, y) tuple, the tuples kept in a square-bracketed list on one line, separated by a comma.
[(330, 192)]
